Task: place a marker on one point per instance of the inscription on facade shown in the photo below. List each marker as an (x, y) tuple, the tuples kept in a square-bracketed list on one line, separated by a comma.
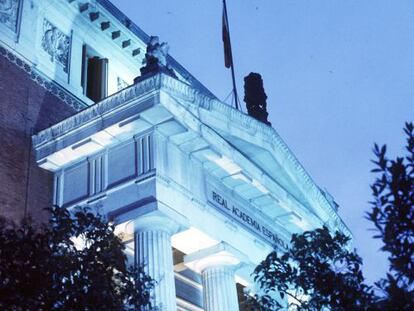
[(9, 12), (244, 218), (56, 44)]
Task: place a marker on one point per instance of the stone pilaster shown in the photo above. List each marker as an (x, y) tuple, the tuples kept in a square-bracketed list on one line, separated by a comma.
[(153, 251)]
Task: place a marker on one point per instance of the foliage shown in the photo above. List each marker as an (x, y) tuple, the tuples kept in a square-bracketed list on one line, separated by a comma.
[(317, 271), (393, 216), (45, 269)]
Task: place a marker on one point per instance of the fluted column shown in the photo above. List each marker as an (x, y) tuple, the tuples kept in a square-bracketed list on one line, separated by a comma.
[(153, 251), (217, 266), (219, 289)]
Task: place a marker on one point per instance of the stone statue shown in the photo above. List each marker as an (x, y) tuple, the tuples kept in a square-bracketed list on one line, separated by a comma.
[(255, 97), (156, 58)]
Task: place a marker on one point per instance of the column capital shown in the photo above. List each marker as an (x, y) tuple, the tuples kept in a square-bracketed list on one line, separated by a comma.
[(155, 222), (219, 255), (218, 265)]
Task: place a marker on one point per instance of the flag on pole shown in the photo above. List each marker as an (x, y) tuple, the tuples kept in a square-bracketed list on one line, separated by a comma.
[(228, 57), (226, 39)]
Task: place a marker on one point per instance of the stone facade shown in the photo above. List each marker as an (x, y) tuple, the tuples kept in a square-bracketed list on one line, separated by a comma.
[(56, 44), (199, 191), (176, 175), (9, 12)]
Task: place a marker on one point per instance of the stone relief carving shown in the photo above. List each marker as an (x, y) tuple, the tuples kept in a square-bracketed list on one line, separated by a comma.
[(9, 11), (56, 44)]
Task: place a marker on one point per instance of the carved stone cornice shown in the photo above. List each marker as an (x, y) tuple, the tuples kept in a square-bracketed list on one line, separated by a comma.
[(149, 84), (116, 24), (197, 99), (96, 111)]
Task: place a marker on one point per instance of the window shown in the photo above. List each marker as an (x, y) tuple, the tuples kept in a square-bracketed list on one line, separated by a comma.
[(94, 74)]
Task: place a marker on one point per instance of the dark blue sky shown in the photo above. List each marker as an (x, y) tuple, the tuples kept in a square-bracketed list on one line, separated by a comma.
[(339, 76)]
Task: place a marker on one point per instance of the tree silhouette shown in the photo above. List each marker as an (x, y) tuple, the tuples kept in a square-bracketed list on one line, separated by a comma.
[(393, 216), (74, 263), (317, 271)]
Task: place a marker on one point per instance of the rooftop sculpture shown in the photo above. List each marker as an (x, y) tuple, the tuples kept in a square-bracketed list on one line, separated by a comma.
[(255, 97), (156, 58)]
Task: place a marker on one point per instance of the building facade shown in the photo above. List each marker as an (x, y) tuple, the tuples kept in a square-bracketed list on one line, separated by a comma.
[(200, 192)]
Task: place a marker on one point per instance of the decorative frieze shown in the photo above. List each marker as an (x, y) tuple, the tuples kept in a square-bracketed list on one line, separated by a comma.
[(187, 94), (56, 44), (9, 13), (99, 109), (43, 81), (107, 169)]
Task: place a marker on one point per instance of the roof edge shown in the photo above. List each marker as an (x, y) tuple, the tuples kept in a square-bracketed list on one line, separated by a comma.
[(202, 100), (142, 35)]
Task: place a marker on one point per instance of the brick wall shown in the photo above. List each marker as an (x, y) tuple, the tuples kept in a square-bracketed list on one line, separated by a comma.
[(24, 107)]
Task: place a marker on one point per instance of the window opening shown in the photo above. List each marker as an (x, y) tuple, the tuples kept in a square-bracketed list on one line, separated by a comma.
[(94, 74)]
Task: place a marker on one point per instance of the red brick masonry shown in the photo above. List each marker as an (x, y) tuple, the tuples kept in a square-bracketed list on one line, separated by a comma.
[(25, 108)]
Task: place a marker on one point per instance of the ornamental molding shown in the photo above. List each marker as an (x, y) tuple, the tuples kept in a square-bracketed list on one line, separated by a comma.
[(40, 79), (153, 83), (277, 144), (198, 99), (56, 44), (9, 13), (269, 135), (97, 110), (108, 15)]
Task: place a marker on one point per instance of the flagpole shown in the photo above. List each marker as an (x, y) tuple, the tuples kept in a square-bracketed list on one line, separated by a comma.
[(236, 98)]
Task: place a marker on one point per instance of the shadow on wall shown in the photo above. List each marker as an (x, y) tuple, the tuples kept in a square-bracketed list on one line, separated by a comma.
[(28, 104), (26, 108)]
